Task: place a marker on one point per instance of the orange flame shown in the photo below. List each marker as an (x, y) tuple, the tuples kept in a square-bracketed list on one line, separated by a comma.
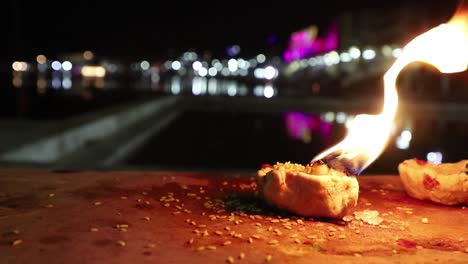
[(445, 47)]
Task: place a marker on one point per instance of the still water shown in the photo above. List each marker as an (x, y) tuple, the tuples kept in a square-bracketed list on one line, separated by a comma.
[(245, 140), (234, 136)]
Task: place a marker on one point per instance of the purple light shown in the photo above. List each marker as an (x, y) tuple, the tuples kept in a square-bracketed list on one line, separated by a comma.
[(272, 39), (233, 50), (301, 126), (304, 43)]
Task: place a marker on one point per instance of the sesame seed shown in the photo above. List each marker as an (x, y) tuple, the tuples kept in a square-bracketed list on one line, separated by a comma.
[(16, 242), (268, 258), (93, 229), (256, 236), (151, 245), (277, 232), (230, 259), (242, 255), (51, 194), (273, 242), (219, 233), (167, 204), (227, 243), (49, 206), (201, 248), (425, 220), (123, 197), (297, 241), (190, 241), (147, 218), (250, 240), (227, 228), (16, 232), (311, 236), (121, 243), (97, 203), (211, 247), (341, 236)]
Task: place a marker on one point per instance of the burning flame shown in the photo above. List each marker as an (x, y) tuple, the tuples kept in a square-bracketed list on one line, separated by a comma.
[(445, 47)]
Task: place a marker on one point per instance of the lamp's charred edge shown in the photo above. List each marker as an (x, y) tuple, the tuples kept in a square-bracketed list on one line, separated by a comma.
[(336, 162)]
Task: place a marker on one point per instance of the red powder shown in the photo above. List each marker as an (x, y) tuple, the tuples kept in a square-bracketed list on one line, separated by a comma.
[(420, 161), (406, 243), (429, 182)]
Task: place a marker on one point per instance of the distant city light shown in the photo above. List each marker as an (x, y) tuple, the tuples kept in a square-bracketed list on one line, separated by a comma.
[(233, 50), (56, 65), (406, 135), (225, 72), (354, 52), (268, 91), (329, 117), (175, 85), (212, 86), (218, 66), (243, 91), (144, 65), (56, 83), (88, 55), (232, 65), (67, 66), (387, 50), (232, 90), (368, 54), (331, 58), (41, 59), (243, 72), (243, 64), (261, 58), (340, 117), (259, 73), (345, 57), (196, 65), (66, 83), (403, 141), (434, 157), (176, 65), (202, 72), (253, 63), (212, 71), (93, 71), (258, 90), (19, 66), (270, 73), (396, 52)]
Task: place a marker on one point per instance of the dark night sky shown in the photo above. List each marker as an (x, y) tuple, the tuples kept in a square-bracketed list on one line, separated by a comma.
[(136, 28)]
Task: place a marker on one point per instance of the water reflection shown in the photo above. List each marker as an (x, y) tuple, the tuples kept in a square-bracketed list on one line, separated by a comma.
[(244, 140), (199, 86)]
